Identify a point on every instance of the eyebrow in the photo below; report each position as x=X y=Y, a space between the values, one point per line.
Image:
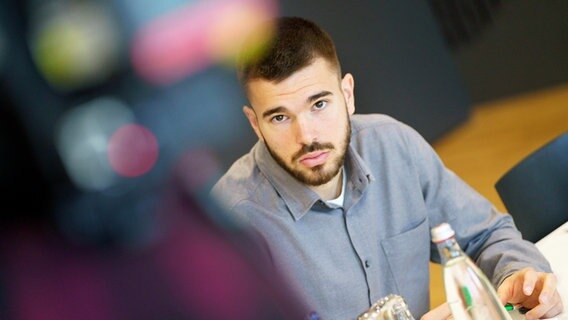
x=310 y=99
x=272 y=111
x=318 y=95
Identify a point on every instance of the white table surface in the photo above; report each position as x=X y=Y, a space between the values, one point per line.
x=555 y=248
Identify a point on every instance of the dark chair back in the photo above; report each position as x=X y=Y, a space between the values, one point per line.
x=535 y=191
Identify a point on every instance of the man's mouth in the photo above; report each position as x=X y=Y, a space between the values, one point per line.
x=315 y=158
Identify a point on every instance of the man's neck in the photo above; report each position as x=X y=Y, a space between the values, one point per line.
x=330 y=190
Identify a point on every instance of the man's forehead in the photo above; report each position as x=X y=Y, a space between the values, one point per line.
x=302 y=84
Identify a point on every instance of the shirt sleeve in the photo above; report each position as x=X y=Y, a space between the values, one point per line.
x=489 y=237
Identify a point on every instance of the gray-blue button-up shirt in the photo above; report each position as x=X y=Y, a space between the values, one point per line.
x=341 y=260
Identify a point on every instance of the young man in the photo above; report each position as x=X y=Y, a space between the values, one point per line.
x=344 y=203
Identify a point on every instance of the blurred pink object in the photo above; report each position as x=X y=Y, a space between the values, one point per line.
x=132 y=150
x=192 y=38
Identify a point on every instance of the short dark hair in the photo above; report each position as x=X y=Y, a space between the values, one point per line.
x=296 y=43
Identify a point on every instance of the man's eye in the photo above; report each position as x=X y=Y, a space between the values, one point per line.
x=320 y=104
x=278 y=118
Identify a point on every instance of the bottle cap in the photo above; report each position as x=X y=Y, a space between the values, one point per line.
x=442 y=232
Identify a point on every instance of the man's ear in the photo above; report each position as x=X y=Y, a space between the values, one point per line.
x=251 y=116
x=348 y=88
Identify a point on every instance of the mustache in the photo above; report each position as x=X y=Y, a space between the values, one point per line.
x=315 y=146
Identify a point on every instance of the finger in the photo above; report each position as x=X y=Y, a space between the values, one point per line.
x=548 y=288
x=546 y=310
x=556 y=310
x=441 y=312
x=530 y=278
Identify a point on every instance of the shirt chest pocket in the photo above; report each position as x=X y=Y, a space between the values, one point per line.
x=408 y=256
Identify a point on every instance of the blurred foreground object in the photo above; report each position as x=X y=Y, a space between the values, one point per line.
x=76 y=47
x=83 y=141
x=185 y=41
x=193 y=270
x=98 y=224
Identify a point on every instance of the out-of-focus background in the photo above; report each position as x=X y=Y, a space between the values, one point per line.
x=100 y=102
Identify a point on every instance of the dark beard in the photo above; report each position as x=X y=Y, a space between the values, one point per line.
x=319 y=176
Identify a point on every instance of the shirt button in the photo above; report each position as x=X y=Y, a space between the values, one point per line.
x=367 y=264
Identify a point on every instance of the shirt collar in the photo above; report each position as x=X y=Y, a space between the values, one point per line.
x=298 y=197
x=359 y=174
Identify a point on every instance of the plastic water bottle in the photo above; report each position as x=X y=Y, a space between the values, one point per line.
x=468 y=291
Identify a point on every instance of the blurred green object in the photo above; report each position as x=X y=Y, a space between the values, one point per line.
x=76 y=47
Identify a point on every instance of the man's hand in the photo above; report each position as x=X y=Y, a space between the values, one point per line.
x=533 y=290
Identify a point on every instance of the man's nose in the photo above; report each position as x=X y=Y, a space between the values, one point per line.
x=306 y=131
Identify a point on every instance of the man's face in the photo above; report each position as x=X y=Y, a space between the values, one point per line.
x=304 y=120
